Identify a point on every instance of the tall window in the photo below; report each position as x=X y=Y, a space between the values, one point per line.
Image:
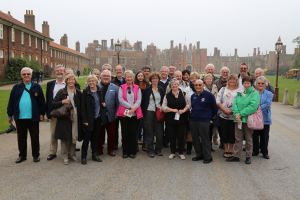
x=22 y=37
x=42 y=41
x=29 y=40
x=29 y=57
x=12 y=54
x=36 y=58
x=1 y=31
x=12 y=34
x=46 y=46
x=36 y=45
x=1 y=54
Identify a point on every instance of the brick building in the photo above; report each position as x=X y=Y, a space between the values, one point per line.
x=18 y=39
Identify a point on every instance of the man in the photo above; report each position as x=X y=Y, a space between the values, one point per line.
x=244 y=72
x=118 y=80
x=260 y=72
x=222 y=81
x=146 y=71
x=164 y=81
x=210 y=69
x=106 y=66
x=203 y=108
x=172 y=70
x=97 y=73
x=51 y=90
x=110 y=104
x=26 y=106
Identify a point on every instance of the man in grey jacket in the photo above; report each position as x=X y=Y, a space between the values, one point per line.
x=109 y=108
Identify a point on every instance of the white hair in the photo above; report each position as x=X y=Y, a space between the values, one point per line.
x=209 y=65
x=106 y=66
x=130 y=72
x=259 y=70
x=224 y=68
x=106 y=71
x=164 y=67
x=261 y=79
x=26 y=69
x=199 y=81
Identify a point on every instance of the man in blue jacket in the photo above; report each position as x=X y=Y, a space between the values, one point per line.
x=27 y=107
x=203 y=108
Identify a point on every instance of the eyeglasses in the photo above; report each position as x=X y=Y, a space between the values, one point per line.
x=198 y=85
x=260 y=83
x=243 y=68
x=27 y=74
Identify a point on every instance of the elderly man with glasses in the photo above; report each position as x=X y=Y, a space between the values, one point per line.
x=26 y=106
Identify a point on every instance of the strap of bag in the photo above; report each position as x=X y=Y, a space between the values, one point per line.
x=153 y=97
x=222 y=94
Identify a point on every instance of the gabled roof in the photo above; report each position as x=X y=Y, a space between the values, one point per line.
x=66 y=49
x=10 y=19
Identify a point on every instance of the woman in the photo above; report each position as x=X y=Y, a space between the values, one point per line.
x=129 y=112
x=186 y=77
x=175 y=105
x=225 y=99
x=90 y=112
x=68 y=130
x=244 y=104
x=152 y=99
x=143 y=84
x=261 y=137
x=213 y=89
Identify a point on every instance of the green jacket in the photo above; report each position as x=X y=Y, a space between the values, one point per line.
x=246 y=103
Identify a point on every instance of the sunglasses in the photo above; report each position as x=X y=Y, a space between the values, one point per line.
x=28 y=74
x=198 y=85
x=260 y=83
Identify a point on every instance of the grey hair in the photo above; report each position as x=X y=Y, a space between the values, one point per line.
x=106 y=66
x=209 y=65
x=59 y=66
x=200 y=81
x=166 y=67
x=92 y=76
x=174 y=80
x=261 y=79
x=26 y=69
x=130 y=72
x=224 y=68
x=106 y=70
x=259 y=69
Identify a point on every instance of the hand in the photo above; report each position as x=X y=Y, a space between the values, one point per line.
x=86 y=124
x=181 y=111
x=41 y=117
x=66 y=101
x=10 y=120
x=238 y=117
x=228 y=111
x=131 y=112
x=104 y=104
x=132 y=108
x=175 y=110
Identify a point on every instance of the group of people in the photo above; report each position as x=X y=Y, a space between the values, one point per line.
x=170 y=108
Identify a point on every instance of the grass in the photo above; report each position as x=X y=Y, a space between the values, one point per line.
x=291 y=84
x=4 y=96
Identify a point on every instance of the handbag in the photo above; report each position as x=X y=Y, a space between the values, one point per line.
x=62 y=112
x=160 y=115
x=256 y=121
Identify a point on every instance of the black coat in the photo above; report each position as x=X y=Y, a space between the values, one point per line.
x=148 y=94
x=88 y=107
x=63 y=129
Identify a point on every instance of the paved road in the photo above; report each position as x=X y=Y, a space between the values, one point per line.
x=158 y=178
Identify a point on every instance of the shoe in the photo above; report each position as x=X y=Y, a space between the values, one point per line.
x=112 y=154
x=221 y=146
x=73 y=158
x=233 y=159
x=132 y=156
x=66 y=161
x=181 y=156
x=197 y=158
x=96 y=158
x=125 y=156
x=212 y=150
x=207 y=161
x=248 y=161
x=151 y=155
x=144 y=148
x=254 y=154
x=77 y=149
x=171 y=156
x=266 y=156
x=159 y=153
x=116 y=147
x=83 y=161
x=216 y=142
x=36 y=159
x=51 y=156
x=20 y=159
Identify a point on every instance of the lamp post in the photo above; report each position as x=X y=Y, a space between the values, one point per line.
x=278 y=48
x=118 y=50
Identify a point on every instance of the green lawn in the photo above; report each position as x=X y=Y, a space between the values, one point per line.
x=291 y=84
x=4 y=96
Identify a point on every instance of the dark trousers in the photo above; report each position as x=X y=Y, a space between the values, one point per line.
x=166 y=137
x=117 y=122
x=93 y=137
x=227 y=131
x=153 y=128
x=201 y=142
x=140 y=131
x=24 y=125
x=261 y=140
x=176 y=132
x=111 y=131
x=129 y=131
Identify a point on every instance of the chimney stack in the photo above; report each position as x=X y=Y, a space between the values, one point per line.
x=104 y=44
x=171 y=44
x=29 y=19
x=180 y=47
x=235 y=52
x=77 y=46
x=254 y=52
x=45 y=28
x=64 y=40
x=198 y=45
x=112 y=47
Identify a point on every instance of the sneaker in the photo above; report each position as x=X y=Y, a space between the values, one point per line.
x=73 y=158
x=66 y=161
x=151 y=155
x=181 y=156
x=248 y=161
x=171 y=156
x=233 y=159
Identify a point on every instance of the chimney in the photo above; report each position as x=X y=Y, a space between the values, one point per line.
x=198 y=45
x=29 y=19
x=45 y=28
x=77 y=46
x=190 y=47
x=235 y=52
x=171 y=44
x=104 y=44
x=112 y=47
x=180 y=48
x=258 y=51
x=64 y=40
x=254 y=52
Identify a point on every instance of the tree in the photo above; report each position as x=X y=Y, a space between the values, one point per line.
x=296 y=63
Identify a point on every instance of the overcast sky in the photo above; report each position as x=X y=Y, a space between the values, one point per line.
x=226 y=24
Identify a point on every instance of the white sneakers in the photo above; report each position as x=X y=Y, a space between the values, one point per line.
x=172 y=156
x=66 y=161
